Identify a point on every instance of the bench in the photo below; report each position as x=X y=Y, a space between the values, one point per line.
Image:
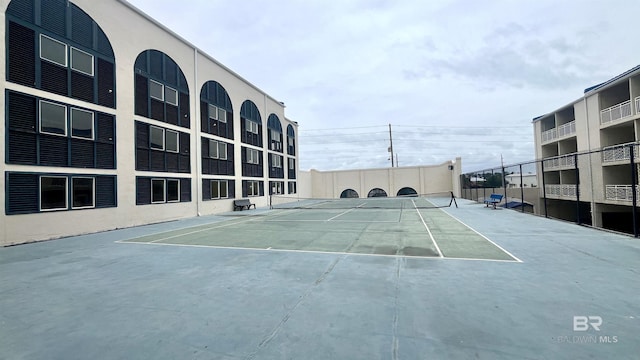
x=493 y=200
x=241 y=204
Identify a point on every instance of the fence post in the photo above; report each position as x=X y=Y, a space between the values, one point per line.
x=504 y=187
x=521 y=190
x=577 y=189
x=544 y=189
x=634 y=184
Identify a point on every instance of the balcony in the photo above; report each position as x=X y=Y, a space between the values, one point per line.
x=559 y=163
x=559 y=132
x=638 y=105
x=616 y=112
x=620 y=152
x=561 y=190
x=621 y=192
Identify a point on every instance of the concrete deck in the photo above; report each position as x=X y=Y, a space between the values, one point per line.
x=90 y=297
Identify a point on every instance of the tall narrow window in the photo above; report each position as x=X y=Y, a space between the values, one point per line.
x=157 y=191
x=53 y=118
x=53 y=50
x=53 y=193
x=222 y=115
x=171 y=96
x=82 y=190
x=213 y=149
x=81 y=61
x=172 y=141
x=156 y=138
x=222 y=151
x=156 y=90
x=81 y=124
x=173 y=190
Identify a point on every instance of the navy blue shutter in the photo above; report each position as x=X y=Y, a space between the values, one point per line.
x=81 y=27
x=232 y=189
x=54 y=150
x=53 y=78
x=22 y=193
x=185 y=150
x=142 y=95
x=143 y=191
x=171 y=114
x=20 y=55
x=54 y=16
x=22 y=9
x=142 y=147
x=21 y=118
x=105 y=191
x=206 y=189
x=82 y=153
x=204 y=117
x=82 y=86
x=106 y=83
x=157 y=110
x=185 y=190
x=184 y=110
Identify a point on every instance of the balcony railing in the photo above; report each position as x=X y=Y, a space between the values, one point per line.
x=561 y=190
x=616 y=112
x=638 y=105
x=621 y=192
x=619 y=153
x=560 y=162
x=561 y=131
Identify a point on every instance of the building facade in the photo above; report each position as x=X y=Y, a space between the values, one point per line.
x=587 y=148
x=112 y=120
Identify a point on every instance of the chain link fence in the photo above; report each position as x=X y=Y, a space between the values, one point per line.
x=596 y=188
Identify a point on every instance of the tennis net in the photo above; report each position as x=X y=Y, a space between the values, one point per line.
x=424 y=201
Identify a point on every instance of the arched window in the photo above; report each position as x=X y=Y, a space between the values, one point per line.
x=251 y=124
x=161 y=90
x=275 y=133
x=377 y=192
x=291 y=140
x=216 y=111
x=407 y=191
x=349 y=193
x=53 y=45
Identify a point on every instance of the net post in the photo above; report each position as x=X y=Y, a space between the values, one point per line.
x=453 y=200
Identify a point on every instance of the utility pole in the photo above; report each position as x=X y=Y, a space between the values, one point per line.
x=391 y=147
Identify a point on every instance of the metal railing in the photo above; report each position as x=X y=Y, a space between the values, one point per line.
x=564 y=190
x=621 y=192
x=616 y=112
x=562 y=162
x=561 y=131
x=638 y=105
x=619 y=153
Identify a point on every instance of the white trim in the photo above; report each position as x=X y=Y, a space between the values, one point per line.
x=164 y=191
x=85 y=53
x=93 y=188
x=66 y=55
x=66 y=125
x=158 y=83
x=167 y=88
x=166 y=195
x=166 y=132
x=66 y=192
x=93 y=124
x=151 y=127
x=213 y=110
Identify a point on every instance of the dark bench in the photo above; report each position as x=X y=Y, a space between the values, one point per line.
x=242 y=204
x=493 y=200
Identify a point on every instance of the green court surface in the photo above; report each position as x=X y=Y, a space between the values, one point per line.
x=415 y=232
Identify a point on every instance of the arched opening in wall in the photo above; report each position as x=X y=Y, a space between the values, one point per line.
x=349 y=193
x=407 y=191
x=377 y=192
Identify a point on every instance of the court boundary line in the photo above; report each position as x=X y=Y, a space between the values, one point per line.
x=427 y=227
x=311 y=251
x=486 y=238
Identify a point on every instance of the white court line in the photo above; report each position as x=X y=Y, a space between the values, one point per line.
x=311 y=251
x=338 y=221
x=342 y=213
x=486 y=238
x=426 y=227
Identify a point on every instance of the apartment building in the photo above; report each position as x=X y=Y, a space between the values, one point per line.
x=590 y=154
x=112 y=120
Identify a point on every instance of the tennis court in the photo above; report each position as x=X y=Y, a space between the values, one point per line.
x=415 y=226
x=312 y=281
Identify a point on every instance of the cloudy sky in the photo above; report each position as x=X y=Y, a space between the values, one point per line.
x=453 y=78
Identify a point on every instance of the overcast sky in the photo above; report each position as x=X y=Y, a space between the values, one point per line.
x=453 y=78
